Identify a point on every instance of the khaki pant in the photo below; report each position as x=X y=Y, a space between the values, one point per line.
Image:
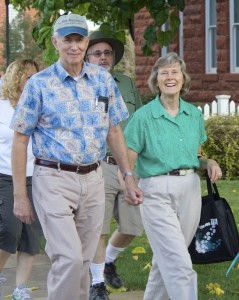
x=70 y=208
x=127 y=216
x=171 y=213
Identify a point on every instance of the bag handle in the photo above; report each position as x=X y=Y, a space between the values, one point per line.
x=212 y=188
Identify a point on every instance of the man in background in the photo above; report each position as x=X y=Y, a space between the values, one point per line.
x=106 y=51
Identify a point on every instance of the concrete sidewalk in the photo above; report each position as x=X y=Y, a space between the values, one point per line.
x=39 y=278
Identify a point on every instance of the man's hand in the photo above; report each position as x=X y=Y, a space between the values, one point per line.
x=133 y=194
x=23 y=210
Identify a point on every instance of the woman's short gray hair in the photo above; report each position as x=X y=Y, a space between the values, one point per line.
x=169 y=59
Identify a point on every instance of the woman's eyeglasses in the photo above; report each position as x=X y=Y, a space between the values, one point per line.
x=98 y=54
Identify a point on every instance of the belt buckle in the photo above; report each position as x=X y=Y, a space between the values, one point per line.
x=109 y=159
x=78 y=170
x=182 y=172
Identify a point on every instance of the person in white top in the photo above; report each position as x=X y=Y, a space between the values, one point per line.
x=15 y=236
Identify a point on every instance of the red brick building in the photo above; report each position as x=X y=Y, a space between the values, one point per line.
x=208 y=40
x=12 y=14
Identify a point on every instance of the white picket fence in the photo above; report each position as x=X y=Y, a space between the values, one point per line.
x=222 y=105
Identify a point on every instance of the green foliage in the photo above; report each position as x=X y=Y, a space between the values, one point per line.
x=22 y=44
x=116 y=15
x=223 y=143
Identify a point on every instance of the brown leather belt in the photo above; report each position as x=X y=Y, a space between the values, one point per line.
x=180 y=172
x=110 y=160
x=71 y=168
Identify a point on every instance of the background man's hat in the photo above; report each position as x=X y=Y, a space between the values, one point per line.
x=117 y=45
x=72 y=23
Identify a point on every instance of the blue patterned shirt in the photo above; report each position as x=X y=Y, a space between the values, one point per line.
x=68 y=119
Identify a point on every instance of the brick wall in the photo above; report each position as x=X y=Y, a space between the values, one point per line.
x=204 y=86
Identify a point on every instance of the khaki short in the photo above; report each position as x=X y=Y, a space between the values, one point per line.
x=127 y=216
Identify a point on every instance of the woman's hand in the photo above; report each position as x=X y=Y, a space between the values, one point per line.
x=214 y=170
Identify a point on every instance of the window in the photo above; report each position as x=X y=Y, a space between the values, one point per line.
x=211 y=49
x=234 y=34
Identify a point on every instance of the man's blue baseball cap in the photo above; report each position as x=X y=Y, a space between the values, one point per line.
x=72 y=23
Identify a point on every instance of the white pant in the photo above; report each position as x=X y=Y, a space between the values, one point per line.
x=171 y=213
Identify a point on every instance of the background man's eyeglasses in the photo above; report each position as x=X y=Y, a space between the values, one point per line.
x=107 y=53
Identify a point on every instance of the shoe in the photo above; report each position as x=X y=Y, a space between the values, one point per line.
x=2 y=280
x=98 y=292
x=111 y=277
x=22 y=292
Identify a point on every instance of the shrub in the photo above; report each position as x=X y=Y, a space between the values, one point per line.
x=223 y=144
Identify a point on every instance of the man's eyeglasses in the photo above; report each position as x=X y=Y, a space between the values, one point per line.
x=98 y=54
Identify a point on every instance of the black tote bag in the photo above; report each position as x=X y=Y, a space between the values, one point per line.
x=216 y=239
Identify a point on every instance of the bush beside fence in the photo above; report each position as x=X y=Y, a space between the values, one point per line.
x=223 y=143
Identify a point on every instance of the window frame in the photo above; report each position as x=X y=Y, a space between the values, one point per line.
x=208 y=43
x=233 y=39
x=181 y=52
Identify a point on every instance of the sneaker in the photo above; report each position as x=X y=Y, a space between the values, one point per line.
x=2 y=280
x=111 y=277
x=99 y=292
x=22 y=292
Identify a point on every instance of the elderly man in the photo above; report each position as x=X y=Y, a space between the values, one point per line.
x=70 y=109
x=107 y=51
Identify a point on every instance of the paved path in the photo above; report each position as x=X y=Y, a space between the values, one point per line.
x=39 y=277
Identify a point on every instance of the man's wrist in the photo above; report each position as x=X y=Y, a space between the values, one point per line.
x=127 y=173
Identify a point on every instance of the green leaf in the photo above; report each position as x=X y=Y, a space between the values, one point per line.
x=50 y=55
x=41 y=4
x=174 y=21
x=155 y=5
x=50 y=4
x=181 y=5
x=172 y=2
x=165 y=37
x=44 y=33
x=59 y=4
x=160 y=17
x=146 y=48
x=120 y=35
x=82 y=10
x=150 y=34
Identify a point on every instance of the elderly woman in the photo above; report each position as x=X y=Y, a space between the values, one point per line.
x=165 y=137
x=15 y=236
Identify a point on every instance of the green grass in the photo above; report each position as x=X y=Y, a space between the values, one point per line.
x=135 y=276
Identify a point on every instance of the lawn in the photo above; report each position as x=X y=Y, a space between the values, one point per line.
x=134 y=268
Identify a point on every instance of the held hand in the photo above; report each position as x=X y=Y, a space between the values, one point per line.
x=133 y=194
x=23 y=210
x=214 y=170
